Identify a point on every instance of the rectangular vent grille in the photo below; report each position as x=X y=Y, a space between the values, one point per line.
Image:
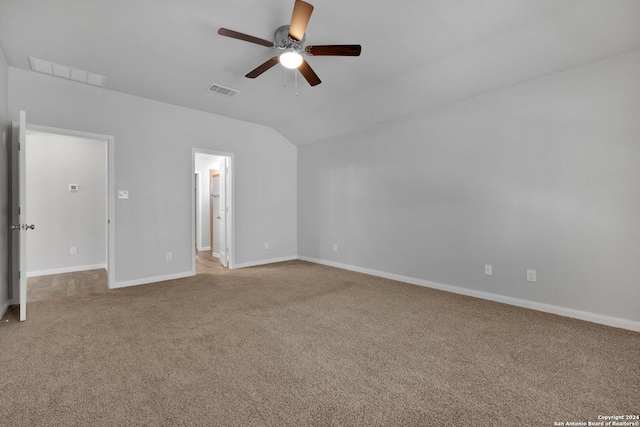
x=47 y=67
x=221 y=90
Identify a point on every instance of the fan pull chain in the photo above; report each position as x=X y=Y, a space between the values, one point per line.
x=295 y=79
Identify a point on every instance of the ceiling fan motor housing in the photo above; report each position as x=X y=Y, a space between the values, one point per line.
x=281 y=40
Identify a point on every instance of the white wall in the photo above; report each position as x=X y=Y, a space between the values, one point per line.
x=64 y=219
x=153 y=143
x=543 y=175
x=4 y=184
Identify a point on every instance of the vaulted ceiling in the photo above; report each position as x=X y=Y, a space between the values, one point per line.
x=415 y=55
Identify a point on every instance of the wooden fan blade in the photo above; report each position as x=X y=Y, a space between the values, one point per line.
x=241 y=36
x=264 y=67
x=300 y=19
x=334 y=50
x=309 y=74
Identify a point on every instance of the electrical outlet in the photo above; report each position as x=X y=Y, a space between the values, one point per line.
x=531 y=275
x=335 y=247
x=488 y=269
x=266 y=245
x=73 y=250
x=123 y=194
x=168 y=256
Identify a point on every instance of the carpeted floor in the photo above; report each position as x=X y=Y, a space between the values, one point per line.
x=296 y=344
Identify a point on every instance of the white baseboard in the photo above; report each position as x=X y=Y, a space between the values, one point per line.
x=215 y=254
x=66 y=270
x=264 y=261
x=4 y=307
x=148 y=280
x=547 y=308
x=204 y=248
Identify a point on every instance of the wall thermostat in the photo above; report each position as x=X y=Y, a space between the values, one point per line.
x=73 y=188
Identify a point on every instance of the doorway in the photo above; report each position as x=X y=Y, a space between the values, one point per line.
x=67 y=180
x=213 y=214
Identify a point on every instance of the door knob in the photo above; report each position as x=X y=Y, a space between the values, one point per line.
x=23 y=227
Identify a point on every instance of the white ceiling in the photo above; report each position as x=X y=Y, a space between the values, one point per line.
x=415 y=55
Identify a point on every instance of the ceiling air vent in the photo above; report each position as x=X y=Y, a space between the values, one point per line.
x=221 y=90
x=47 y=67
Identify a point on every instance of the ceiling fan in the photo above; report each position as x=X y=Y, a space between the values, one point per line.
x=290 y=40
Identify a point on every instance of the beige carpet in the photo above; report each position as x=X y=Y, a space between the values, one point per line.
x=295 y=344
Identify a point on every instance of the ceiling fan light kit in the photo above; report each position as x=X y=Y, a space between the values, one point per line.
x=290 y=59
x=290 y=40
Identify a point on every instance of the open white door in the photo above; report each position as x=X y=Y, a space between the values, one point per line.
x=224 y=253
x=19 y=220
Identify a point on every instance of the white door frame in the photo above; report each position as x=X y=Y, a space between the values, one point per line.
x=198 y=212
x=110 y=229
x=231 y=232
x=223 y=212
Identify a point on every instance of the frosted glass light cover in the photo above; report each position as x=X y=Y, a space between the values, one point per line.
x=291 y=59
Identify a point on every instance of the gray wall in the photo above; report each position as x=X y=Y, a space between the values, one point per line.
x=153 y=143
x=543 y=175
x=64 y=219
x=4 y=183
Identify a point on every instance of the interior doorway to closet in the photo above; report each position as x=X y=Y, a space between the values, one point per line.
x=66 y=185
x=212 y=231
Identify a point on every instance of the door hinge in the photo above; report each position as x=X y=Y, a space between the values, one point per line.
x=18 y=210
